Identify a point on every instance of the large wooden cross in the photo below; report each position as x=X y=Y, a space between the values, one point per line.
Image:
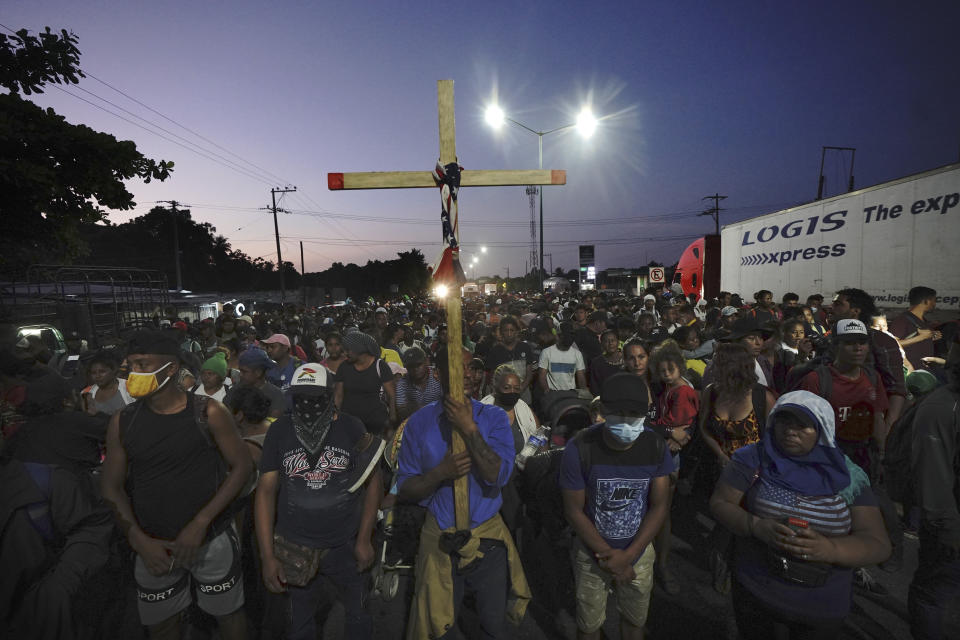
x=468 y=178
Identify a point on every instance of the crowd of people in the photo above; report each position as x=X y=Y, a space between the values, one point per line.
x=226 y=470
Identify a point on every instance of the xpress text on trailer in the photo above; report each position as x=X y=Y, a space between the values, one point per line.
x=883 y=239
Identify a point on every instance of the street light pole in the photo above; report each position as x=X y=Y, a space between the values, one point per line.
x=540 y=155
x=586 y=123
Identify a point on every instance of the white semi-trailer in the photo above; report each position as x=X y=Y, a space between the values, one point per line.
x=884 y=239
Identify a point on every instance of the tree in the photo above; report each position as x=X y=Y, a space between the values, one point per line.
x=408 y=272
x=207 y=261
x=54 y=175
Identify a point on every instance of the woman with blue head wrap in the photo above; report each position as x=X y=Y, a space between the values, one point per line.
x=804 y=517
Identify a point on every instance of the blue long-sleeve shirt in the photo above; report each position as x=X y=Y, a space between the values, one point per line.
x=427 y=439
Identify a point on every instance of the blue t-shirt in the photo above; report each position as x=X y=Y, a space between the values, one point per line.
x=426 y=440
x=314 y=507
x=617 y=483
x=829 y=515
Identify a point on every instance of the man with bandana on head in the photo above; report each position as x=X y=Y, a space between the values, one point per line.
x=172 y=469
x=316 y=505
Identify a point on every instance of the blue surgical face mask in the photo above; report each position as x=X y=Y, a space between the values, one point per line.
x=625 y=430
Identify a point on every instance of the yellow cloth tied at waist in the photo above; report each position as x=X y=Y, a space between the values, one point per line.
x=432 y=612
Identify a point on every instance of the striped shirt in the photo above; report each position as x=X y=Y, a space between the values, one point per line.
x=828 y=515
x=409 y=393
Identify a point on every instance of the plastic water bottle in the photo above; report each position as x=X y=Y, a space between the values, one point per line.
x=534 y=444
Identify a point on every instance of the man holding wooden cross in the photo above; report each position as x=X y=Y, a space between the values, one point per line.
x=457 y=455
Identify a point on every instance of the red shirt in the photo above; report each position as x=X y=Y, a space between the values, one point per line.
x=906 y=325
x=854 y=402
x=678 y=407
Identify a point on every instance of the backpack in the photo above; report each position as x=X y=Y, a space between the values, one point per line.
x=826 y=380
x=39 y=512
x=200 y=418
x=820 y=365
x=898 y=476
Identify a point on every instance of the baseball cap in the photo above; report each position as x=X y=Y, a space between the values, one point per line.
x=676 y=288
x=650 y=297
x=624 y=392
x=246 y=319
x=151 y=341
x=380 y=310
x=311 y=379
x=181 y=325
x=728 y=311
x=278 y=338
x=850 y=327
x=413 y=356
x=256 y=358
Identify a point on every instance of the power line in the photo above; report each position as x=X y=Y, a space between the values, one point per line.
x=499 y=244
x=199 y=153
x=185 y=140
x=185 y=128
x=261 y=173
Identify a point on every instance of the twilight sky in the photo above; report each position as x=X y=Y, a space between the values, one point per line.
x=696 y=98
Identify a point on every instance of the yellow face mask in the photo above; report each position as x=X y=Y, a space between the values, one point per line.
x=143 y=384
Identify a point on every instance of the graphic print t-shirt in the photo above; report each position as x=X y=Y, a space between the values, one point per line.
x=617 y=483
x=313 y=505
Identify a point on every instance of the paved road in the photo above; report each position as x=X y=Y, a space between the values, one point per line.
x=698 y=612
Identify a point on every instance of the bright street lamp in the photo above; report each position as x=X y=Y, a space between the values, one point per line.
x=494 y=116
x=586 y=124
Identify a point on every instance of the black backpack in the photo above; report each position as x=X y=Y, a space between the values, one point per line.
x=898 y=476
x=200 y=417
x=796 y=375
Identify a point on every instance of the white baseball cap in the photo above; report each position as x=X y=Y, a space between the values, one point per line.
x=311 y=378
x=650 y=296
x=728 y=311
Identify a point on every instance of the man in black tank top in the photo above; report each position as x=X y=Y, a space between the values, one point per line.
x=172 y=469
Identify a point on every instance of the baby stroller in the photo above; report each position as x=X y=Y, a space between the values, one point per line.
x=549 y=572
x=566 y=413
x=397 y=532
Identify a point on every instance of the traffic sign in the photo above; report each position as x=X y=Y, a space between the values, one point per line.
x=656 y=275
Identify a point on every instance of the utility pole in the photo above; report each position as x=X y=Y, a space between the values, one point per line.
x=303 y=273
x=176 y=241
x=715 y=211
x=276 y=233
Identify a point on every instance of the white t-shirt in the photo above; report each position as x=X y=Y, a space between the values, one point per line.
x=561 y=367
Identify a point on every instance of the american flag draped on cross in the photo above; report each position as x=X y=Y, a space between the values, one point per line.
x=447 y=269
